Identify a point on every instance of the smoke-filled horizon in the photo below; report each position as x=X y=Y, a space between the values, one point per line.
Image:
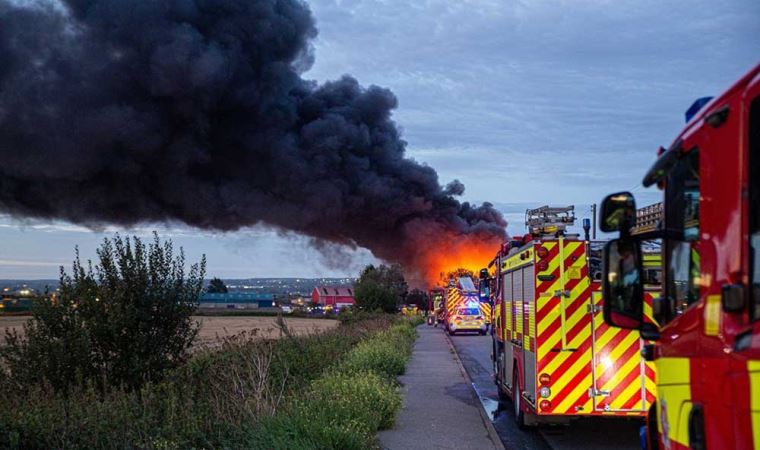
x=116 y=112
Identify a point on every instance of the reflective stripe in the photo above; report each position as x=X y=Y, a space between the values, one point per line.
x=712 y=315
x=753 y=367
x=674 y=399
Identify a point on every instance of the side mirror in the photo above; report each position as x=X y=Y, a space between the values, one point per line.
x=622 y=288
x=618 y=212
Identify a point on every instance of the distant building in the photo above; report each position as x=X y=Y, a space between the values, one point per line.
x=333 y=295
x=236 y=300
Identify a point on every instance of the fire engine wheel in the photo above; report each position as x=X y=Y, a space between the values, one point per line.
x=517 y=403
x=452 y=332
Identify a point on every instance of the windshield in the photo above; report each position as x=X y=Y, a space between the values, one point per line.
x=468 y=311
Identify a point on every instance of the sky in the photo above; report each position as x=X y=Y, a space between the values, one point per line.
x=526 y=102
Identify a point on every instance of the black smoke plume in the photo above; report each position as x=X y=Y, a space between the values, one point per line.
x=120 y=112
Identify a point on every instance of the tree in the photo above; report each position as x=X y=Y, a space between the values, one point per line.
x=381 y=288
x=121 y=322
x=216 y=286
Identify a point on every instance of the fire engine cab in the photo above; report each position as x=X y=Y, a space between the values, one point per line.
x=706 y=327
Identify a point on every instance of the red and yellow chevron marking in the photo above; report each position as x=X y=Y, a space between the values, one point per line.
x=564 y=327
x=485 y=310
x=578 y=350
x=453 y=298
x=619 y=368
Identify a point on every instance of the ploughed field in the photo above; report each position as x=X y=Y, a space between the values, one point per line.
x=214 y=329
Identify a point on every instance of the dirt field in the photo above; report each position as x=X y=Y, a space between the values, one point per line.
x=215 y=328
x=9 y=323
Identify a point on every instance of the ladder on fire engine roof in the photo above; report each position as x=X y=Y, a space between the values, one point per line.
x=648 y=219
x=548 y=220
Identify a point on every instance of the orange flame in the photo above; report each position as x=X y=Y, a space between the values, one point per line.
x=450 y=252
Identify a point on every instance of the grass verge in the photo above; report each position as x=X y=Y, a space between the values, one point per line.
x=334 y=389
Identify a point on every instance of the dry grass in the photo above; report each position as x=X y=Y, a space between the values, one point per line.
x=10 y=323
x=215 y=329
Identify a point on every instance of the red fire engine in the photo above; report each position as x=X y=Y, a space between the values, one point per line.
x=707 y=330
x=554 y=356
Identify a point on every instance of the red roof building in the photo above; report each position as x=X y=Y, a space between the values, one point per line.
x=333 y=295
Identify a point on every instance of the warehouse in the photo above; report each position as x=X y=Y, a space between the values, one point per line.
x=338 y=296
x=236 y=300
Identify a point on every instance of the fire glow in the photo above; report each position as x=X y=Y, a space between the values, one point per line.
x=472 y=252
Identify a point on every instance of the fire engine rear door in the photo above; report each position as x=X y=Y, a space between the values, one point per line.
x=617 y=366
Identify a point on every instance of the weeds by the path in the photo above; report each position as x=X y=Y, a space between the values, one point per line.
x=333 y=389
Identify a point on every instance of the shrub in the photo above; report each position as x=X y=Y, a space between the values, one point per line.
x=340 y=410
x=289 y=393
x=121 y=323
x=377 y=355
x=385 y=353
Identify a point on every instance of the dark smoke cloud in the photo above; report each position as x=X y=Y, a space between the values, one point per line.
x=116 y=111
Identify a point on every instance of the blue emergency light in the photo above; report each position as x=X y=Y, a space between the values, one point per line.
x=695 y=107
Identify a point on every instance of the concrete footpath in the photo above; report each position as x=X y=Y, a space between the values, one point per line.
x=440 y=408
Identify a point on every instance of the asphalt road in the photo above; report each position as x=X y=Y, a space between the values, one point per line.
x=583 y=434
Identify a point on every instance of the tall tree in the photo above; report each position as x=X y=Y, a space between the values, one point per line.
x=381 y=288
x=121 y=322
x=216 y=286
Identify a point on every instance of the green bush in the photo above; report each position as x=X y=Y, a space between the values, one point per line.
x=346 y=405
x=247 y=394
x=376 y=355
x=123 y=321
x=385 y=353
x=340 y=410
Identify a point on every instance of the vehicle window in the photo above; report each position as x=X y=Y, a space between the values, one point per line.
x=652 y=263
x=468 y=312
x=595 y=249
x=754 y=207
x=682 y=197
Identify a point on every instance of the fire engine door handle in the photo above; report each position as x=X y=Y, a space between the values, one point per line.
x=597 y=392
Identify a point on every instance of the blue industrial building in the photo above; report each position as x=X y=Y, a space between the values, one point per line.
x=236 y=300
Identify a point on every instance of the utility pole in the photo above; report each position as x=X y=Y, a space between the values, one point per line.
x=593 y=221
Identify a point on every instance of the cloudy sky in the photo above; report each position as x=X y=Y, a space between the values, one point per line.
x=526 y=102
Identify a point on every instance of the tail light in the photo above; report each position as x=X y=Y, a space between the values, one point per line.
x=542 y=265
x=542 y=252
x=544 y=379
x=545 y=405
x=458 y=319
